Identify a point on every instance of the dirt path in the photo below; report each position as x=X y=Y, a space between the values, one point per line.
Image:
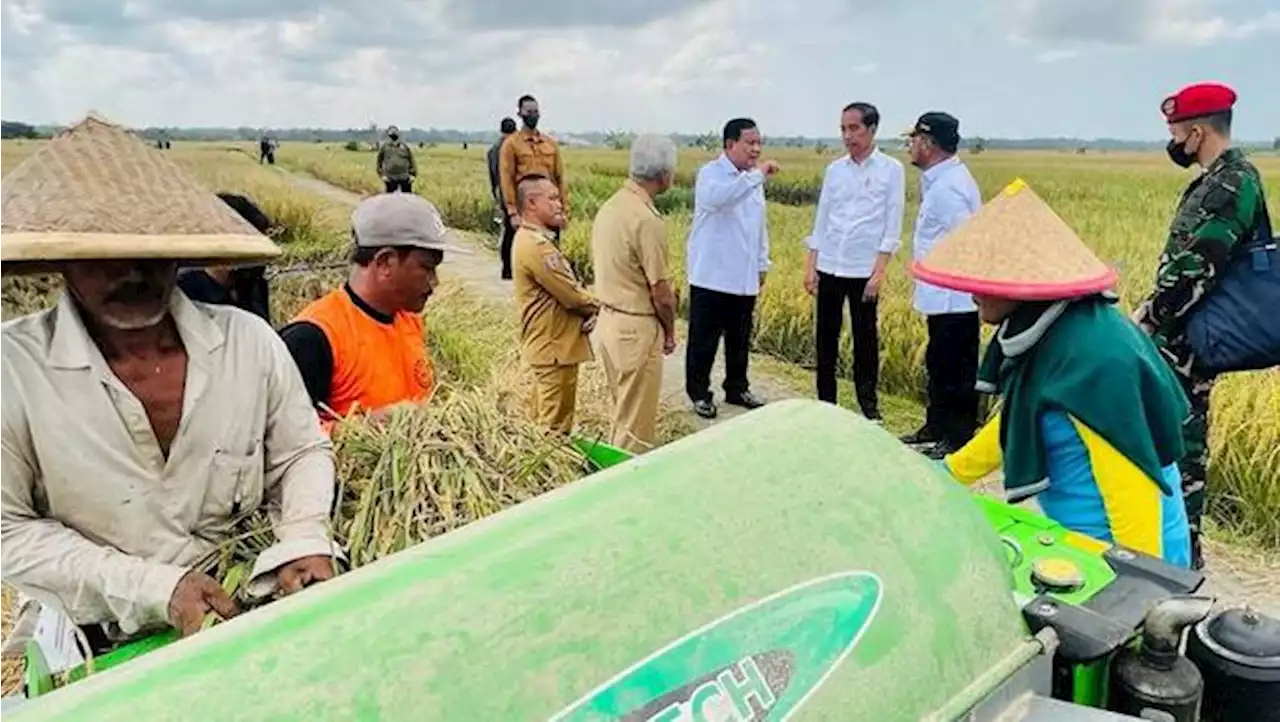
x=1233 y=574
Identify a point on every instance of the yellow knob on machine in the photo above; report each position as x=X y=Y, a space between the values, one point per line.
x=1055 y=574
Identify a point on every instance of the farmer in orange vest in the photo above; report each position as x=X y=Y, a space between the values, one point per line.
x=362 y=347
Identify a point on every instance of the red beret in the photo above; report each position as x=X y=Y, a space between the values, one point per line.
x=1197 y=101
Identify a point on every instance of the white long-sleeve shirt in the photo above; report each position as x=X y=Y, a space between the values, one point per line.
x=859 y=214
x=728 y=246
x=948 y=196
x=96 y=521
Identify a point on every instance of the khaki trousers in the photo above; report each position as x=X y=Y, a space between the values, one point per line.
x=555 y=393
x=630 y=347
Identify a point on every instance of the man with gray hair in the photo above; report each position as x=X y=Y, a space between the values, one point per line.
x=637 y=301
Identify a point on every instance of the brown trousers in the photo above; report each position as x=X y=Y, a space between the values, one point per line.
x=555 y=393
x=630 y=348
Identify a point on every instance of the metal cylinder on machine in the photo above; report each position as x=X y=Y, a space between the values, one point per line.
x=1155 y=682
x=1238 y=653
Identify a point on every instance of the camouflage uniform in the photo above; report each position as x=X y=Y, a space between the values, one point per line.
x=1217 y=211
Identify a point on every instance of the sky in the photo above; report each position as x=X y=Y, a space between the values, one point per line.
x=1005 y=68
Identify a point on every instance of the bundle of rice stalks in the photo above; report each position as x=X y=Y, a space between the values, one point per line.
x=10 y=667
x=418 y=471
x=426 y=470
x=28 y=294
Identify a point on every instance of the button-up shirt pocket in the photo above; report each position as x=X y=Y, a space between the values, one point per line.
x=544 y=151
x=236 y=481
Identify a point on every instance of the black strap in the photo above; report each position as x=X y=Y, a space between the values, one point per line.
x=1263 y=237
x=1265 y=232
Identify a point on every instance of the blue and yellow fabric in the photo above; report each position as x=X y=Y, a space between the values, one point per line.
x=1090 y=423
x=1092 y=488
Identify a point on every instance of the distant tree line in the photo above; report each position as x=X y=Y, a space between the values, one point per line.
x=620 y=139
x=14 y=129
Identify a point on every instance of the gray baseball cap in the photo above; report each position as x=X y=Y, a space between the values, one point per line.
x=401 y=219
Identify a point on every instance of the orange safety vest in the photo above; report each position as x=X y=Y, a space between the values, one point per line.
x=375 y=364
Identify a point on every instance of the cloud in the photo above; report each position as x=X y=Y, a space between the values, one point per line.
x=660 y=65
x=1076 y=20
x=521 y=14
x=1056 y=56
x=1176 y=23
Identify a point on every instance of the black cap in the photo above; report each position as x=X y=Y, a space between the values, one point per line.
x=942 y=127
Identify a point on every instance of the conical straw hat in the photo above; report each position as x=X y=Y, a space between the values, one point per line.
x=1015 y=247
x=97 y=192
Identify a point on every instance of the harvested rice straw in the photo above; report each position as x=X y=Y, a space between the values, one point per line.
x=10 y=667
x=428 y=470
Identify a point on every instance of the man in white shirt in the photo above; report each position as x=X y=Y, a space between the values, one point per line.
x=856 y=230
x=140 y=426
x=728 y=256
x=948 y=196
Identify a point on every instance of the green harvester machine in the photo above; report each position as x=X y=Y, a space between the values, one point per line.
x=797 y=562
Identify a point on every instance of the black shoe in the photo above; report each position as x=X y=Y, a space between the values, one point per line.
x=939 y=451
x=746 y=400
x=706 y=408
x=923 y=435
x=873 y=415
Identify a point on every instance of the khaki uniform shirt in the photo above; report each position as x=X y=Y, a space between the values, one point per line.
x=96 y=520
x=525 y=153
x=552 y=303
x=629 y=248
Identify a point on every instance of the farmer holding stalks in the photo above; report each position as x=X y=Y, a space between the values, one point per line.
x=362 y=347
x=556 y=312
x=1090 y=417
x=139 y=425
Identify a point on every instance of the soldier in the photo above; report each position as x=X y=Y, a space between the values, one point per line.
x=1220 y=208
x=556 y=312
x=530 y=152
x=633 y=280
x=396 y=166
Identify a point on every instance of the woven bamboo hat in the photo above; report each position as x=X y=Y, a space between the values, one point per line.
x=96 y=192
x=1015 y=247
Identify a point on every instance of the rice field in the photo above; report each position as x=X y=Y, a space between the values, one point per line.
x=1119 y=203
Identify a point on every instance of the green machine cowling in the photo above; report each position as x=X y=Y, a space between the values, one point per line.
x=795 y=560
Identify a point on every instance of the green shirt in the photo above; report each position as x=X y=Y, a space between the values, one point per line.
x=1086 y=359
x=395 y=161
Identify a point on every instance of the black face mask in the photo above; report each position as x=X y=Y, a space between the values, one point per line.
x=1178 y=153
x=530 y=121
x=394 y=136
